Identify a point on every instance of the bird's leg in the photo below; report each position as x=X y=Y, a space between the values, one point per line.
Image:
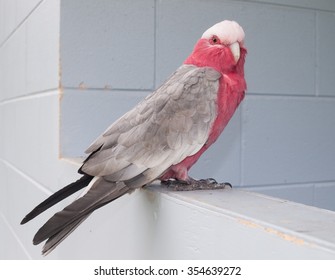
x=191 y=184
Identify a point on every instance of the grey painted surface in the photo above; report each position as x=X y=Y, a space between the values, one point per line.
x=84 y=123
x=69 y=68
x=288 y=140
x=325 y=39
x=107 y=44
x=27 y=53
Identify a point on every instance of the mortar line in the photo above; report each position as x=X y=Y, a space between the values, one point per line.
x=38 y=94
x=20 y=24
x=16 y=237
x=27 y=177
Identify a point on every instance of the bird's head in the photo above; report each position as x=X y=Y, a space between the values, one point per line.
x=221 y=47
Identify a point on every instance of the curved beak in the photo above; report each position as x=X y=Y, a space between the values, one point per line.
x=235 y=49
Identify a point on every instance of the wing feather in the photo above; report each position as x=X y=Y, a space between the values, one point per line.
x=167 y=126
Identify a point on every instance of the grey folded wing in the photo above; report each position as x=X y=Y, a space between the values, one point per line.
x=169 y=125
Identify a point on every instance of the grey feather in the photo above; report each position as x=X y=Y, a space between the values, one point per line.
x=171 y=123
x=64 y=222
x=55 y=240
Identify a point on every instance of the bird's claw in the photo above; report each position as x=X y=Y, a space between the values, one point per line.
x=192 y=184
x=209 y=181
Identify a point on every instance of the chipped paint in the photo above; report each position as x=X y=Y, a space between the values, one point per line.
x=249 y=223
x=108 y=87
x=82 y=86
x=285 y=236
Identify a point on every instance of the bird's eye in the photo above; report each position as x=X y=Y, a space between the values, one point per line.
x=215 y=40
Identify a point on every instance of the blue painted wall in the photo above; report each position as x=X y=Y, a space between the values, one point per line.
x=113 y=53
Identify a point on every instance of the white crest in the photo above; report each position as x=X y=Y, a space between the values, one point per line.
x=227 y=31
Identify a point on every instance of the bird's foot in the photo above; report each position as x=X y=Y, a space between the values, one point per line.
x=192 y=184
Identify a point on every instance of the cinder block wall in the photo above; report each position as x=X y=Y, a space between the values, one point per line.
x=69 y=68
x=282 y=140
x=30 y=166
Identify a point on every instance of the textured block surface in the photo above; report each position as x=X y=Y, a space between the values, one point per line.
x=326 y=58
x=107 y=44
x=85 y=114
x=288 y=140
x=324 y=196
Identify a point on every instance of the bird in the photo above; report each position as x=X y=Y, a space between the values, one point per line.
x=161 y=138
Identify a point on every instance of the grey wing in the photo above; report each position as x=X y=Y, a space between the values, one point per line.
x=170 y=124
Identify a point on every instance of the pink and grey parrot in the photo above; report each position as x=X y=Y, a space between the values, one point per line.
x=160 y=138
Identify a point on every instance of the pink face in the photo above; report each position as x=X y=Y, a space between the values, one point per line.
x=221 y=47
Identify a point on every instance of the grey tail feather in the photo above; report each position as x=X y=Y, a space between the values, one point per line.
x=58 y=196
x=55 y=240
x=59 y=226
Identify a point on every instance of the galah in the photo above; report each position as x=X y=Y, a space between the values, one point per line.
x=160 y=138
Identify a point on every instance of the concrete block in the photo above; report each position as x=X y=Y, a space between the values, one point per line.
x=31 y=142
x=287 y=140
x=12 y=14
x=3 y=188
x=10 y=248
x=8 y=15
x=298 y=193
x=24 y=196
x=281 y=58
x=2 y=76
x=324 y=196
x=107 y=44
x=2 y=23
x=29 y=58
x=307 y=4
x=24 y=8
x=13 y=67
x=88 y=113
x=2 y=124
x=42 y=50
x=325 y=53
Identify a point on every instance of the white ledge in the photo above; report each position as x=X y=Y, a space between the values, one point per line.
x=295 y=230
x=220 y=224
